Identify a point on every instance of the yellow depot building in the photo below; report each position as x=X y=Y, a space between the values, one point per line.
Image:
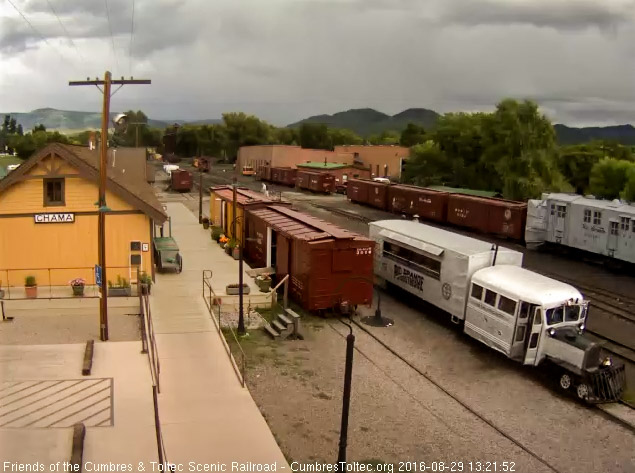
x=48 y=217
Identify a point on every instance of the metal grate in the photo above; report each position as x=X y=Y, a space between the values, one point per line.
x=607 y=384
x=56 y=403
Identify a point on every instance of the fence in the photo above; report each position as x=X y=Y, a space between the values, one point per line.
x=54 y=283
x=214 y=309
x=149 y=346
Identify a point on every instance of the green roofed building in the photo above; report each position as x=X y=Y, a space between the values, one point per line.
x=458 y=190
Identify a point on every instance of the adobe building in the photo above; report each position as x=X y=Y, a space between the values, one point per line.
x=285 y=156
x=383 y=160
x=48 y=216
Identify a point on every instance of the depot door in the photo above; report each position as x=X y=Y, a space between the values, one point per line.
x=533 y=340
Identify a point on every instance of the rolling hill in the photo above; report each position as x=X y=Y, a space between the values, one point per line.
x=367 y=121
x=69 y=120
x=624 y=134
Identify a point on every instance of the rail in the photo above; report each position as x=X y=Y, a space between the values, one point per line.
x=274 y=291
x=148 y=340
x=214 y=309
x=57 y=282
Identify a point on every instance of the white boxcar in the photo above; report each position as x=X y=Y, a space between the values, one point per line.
x=432 y=263
x=602 y=227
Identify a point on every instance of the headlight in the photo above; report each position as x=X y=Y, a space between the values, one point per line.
x=581 y=327
x=607 y=362
x=552 y=332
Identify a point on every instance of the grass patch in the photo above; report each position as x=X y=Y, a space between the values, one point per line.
x=322 y=395
x=6 y=160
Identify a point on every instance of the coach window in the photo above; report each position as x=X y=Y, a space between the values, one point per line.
x=587 y=216
x=524 y=310
x=507 y=305
x=520 y=333
x=597 y=218
x=538 y=317
x=477 y=291
x=490 y=297
x=417 y=261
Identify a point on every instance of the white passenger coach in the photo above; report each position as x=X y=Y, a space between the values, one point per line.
x=529 y=317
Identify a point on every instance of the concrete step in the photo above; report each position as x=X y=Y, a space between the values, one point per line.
x=292 y=313
x=285 y=320
x=278 y=326
x=271 y=331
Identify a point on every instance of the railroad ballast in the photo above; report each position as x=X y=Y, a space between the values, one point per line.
x=528 y=317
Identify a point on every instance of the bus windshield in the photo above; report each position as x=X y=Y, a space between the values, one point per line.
x=567 y=313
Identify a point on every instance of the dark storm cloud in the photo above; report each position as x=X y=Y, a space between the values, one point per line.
x=558 y=14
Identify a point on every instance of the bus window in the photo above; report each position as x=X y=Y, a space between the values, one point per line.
x=571 y=313
x=538 y=317
x=520 y=333
x=507 y=305
x=477 y=292
x=490 y=297
x=524 y=310
x=555 y=315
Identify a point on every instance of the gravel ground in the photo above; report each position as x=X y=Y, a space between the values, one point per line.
x=50 y=330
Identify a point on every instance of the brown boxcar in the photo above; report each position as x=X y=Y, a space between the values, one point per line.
x=181 y=180
x=263 y=173
x=499 y=217
x=285 y=176
x=327 y=265
x=315 y=181
x=366 y=191
x=412 y=200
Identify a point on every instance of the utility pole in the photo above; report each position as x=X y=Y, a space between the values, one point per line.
x=103 y=163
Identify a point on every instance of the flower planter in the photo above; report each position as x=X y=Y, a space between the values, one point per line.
x=228 y=250
x=205 y=224
x=264 y=284
x=78 y=290
x=119 y=292
x=31 y=292
x=236 y=253
x=233 y=289
x=145 y=288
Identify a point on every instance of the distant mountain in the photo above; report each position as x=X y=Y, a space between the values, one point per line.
x=624 y=134
x=69 y=120
x=367 y=121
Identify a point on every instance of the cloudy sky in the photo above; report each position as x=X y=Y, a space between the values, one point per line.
x=287 y=59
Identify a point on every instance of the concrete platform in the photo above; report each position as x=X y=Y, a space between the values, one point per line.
x=206 y=415
x=43 y=393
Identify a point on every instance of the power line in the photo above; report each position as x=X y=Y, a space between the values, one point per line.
x=114 y=52
x=65 y=30
x=131 y=35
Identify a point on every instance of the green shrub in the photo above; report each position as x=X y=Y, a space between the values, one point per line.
x=30 y=281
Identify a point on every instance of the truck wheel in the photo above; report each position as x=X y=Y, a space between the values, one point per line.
x=583 y=391
x=565 y=381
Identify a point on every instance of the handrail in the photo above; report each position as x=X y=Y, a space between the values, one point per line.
x=150 y=340
x=212 y=303
x=284 y=280
x=157 y=426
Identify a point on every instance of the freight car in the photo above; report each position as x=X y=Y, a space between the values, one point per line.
x=604 y=228
x=368 y=192
x=181 y=180
x=328 y=267
x=528 y=317
x=315 y=181
x=499 y=217
x=284 y=176
x=263 y=173
x=412 y=200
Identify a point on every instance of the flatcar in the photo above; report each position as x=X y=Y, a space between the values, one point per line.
x=600 y=227
x=529 y=318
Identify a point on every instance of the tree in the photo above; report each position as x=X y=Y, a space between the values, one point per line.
x=609 y=177
x=427 y=165
x=20 y=131
x=343 y=136
x=245 y=130
x=629 y=189
x=286 y=136
x=388 y=137
x=13 y=127
x=39 y=127
x=314 y=136
x=412 y=135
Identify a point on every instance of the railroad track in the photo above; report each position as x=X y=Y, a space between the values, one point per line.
x=441 y=387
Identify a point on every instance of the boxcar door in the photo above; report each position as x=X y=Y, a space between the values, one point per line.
x=533 y=340
x=282 y=256
x=611 y=242
x=560 y=222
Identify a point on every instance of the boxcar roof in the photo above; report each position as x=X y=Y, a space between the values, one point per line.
x=301 y=226
x=243 y=195
x=458 y=190
x=525 y=285
x=420 y=232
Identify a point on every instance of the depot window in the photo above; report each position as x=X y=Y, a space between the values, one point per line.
x=417 y=261
x=53 y=192
x=597 y=218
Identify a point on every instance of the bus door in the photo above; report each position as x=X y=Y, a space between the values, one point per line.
x=522 y=331
x=532 y=341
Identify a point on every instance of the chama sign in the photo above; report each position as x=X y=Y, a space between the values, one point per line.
x=54 y=218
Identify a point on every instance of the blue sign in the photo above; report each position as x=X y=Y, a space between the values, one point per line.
x=98 y=275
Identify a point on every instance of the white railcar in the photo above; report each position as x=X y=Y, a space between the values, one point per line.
x=603 y=227
x=528 y=317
